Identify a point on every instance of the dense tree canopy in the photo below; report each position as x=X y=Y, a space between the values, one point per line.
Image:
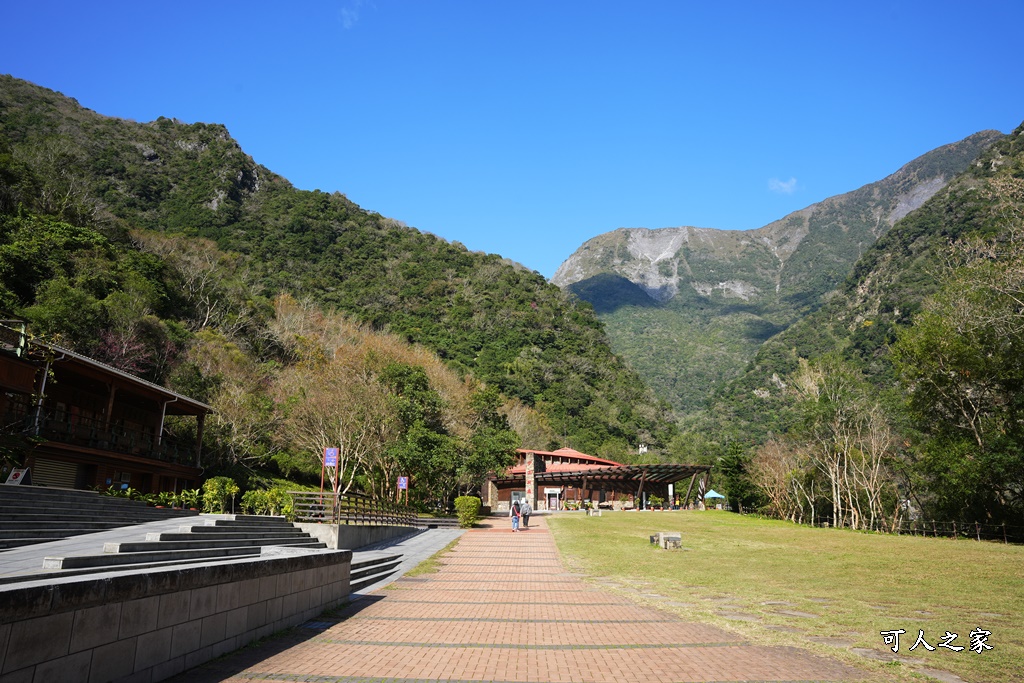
x=186 y=232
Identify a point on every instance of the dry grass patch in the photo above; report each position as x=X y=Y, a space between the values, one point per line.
x=432 y=564
x=831 y=591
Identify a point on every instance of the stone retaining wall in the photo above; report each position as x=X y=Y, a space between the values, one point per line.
x=150 y=625
x=354 y=535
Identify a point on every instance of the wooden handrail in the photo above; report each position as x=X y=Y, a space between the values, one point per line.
x=349 y=508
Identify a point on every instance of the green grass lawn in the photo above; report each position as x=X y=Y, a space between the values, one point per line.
x=745 y=574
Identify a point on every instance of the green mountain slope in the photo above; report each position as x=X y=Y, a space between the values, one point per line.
x=483 y=314
x=884 y=292
x=714 y=296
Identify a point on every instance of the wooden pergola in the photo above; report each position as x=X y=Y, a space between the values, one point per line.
x=629 y=479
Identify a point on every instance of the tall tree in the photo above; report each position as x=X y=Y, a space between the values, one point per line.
x=962 y=363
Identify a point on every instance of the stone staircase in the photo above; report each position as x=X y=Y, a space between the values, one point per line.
x=438 y=522
x=370 y=567
x=35 y=514
x=228 y=537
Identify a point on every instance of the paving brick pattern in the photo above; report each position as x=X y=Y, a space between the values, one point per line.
x=503 y=608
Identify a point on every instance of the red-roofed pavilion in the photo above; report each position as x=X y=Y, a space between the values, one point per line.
x=548 y=479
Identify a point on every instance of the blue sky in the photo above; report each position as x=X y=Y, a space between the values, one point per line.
x=526 y=128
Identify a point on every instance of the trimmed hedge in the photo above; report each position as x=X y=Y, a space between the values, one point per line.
x=468 y=509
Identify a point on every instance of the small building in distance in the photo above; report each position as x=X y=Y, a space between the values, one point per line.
x=552 y=480
x=87 y=425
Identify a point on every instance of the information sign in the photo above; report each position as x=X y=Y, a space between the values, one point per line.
x=403 y=483
x=331 y=457
x=18 y=476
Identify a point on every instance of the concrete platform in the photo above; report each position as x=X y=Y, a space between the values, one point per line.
x=488 y=616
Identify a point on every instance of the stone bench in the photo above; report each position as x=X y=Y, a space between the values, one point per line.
x=668 y=540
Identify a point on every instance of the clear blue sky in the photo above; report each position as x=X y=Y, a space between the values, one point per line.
x=526 y=128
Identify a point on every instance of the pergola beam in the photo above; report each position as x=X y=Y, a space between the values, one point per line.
x=617 y=479
x=690 y=488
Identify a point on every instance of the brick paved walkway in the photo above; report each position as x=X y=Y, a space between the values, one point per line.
x=484 y=617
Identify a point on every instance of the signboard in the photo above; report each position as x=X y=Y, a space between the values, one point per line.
x=18 y=476
x=403 y=483
x=330 y=457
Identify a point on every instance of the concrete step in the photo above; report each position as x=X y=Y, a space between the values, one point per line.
x=107 y=510
x=359 y=583
x=38 y=498
x=224 y=535
x=47 y=492
x=92 y=511
x=159 y=546
x=122 y=559
x=438 y=522
x=367 y=569
x=219 y=528
x=372 y=558
x=382 y=567
x=35 y=576
x=12 y=495
x=51 y=533
x=7 y=544
x=249 y=521
x=81 y=525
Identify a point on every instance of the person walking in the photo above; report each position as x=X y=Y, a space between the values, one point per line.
x=525 y=509
x=515 y=512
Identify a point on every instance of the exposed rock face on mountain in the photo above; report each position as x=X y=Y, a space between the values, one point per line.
x=657 y=260
x=688 y=307
x=888 y=288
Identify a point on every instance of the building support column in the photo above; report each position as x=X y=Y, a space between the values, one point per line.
x=108 y=417
x=531 y=479
x=200 y=421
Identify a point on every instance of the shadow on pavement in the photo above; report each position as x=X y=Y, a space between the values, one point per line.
x=236 y=662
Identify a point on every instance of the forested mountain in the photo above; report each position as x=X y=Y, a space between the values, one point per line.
x=133 y=242
x=902 y=396
x=162 y=249
x=689 y=307
x=884 y=292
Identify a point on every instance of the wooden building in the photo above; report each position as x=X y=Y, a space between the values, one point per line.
x=552 y=479
x=88 y=425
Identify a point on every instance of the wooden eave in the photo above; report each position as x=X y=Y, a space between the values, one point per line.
x=176 y=404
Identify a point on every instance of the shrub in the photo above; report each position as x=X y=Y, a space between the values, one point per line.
x=279 y=502
x=217 y=492
x=275 y=501
x=254 y=502
x=468 y=509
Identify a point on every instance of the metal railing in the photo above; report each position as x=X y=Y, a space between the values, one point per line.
x=349 y=508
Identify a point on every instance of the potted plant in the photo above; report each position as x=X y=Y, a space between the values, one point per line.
x=218 y=492
x=165 y=499
x=190 y=499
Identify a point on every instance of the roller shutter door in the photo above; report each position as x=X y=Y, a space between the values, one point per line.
x=54 y=473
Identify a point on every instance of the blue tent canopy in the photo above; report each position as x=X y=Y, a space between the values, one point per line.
x=713 y=494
